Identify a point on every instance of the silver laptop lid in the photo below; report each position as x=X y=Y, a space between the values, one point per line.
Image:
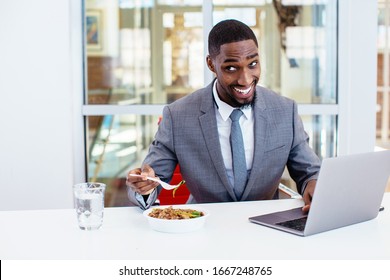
x=349 y=190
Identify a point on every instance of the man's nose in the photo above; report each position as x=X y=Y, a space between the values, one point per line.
x=245 y=77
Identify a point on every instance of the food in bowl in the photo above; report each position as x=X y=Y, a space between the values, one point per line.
x=171 y=213
x=192 y=218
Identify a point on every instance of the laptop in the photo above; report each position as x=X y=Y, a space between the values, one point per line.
x=349 y=190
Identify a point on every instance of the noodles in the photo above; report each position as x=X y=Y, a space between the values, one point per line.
x=171 y=213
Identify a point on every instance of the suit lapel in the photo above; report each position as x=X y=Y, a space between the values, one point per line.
x=209 y=127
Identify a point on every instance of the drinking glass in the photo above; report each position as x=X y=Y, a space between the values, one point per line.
x=89 y=204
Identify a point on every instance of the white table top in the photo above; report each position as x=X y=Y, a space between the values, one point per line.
x=54 y=234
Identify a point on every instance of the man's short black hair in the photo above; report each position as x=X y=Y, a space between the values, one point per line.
x=228 y=31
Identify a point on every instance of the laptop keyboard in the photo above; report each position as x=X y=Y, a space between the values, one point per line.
x=296 y=224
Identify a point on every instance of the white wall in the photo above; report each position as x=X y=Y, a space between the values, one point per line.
x=36 y=105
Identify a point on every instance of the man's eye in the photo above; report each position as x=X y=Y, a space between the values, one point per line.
x=253 y=64
x=231 y=68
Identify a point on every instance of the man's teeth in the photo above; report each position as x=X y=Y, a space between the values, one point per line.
x=243 y=91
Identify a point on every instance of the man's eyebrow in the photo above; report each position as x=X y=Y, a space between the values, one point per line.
x=236 y=60
x=252 y=56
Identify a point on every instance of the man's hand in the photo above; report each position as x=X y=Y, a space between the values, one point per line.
x=308 y=195
x=141 y=185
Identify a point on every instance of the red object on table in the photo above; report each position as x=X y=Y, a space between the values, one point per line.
x=181 y=194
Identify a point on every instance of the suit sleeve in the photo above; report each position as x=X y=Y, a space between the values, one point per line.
x=303 y=164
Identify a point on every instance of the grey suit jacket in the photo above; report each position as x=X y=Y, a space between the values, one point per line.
x=188 y=136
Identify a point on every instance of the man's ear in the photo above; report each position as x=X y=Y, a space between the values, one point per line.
x=210 y=63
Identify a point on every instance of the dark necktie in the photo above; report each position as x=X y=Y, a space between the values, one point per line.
x=238 y=154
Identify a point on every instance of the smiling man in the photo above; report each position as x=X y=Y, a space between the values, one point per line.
x=233 y=138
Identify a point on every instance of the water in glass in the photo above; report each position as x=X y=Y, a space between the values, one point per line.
x=89 y=203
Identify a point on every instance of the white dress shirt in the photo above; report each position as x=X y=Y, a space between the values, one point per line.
x=222 y=113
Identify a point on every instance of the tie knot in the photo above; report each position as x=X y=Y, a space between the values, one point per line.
x=236 y=115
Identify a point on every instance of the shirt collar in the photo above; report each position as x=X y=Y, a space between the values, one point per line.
x=225 y=109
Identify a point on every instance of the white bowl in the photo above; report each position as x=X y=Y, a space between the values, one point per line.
x=177 y=226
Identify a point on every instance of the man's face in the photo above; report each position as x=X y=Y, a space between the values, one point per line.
x=237 y=68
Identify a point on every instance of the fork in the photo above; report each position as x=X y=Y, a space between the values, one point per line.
x=163 y=184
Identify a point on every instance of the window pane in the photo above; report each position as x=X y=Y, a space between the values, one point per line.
x=323 y=139
x=115 y=145
x=297 y=45
x=143 y=54
x=183 y=58
x=323 y=134
x=383 y=80
x=119 y=65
